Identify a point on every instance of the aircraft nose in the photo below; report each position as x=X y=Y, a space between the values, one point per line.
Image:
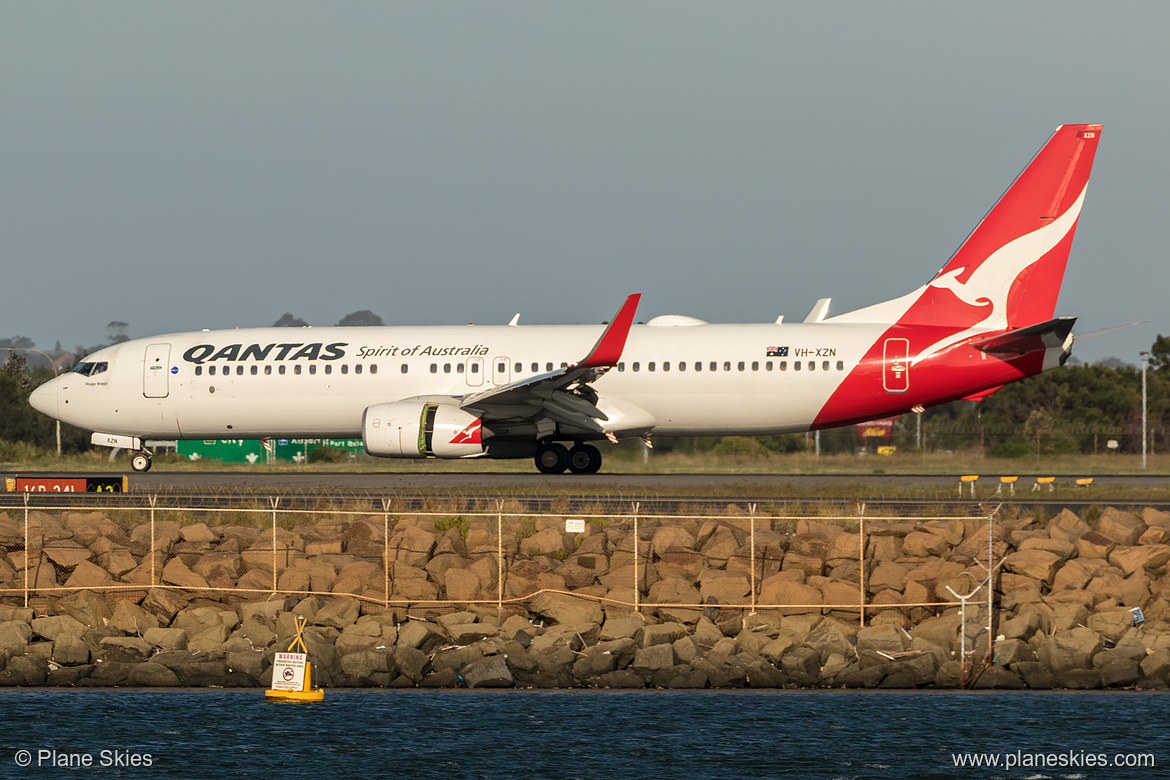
x=44 y=398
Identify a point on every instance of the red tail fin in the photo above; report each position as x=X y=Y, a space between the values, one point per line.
x=1008 y=272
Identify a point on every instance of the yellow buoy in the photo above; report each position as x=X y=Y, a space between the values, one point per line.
x=292 y=672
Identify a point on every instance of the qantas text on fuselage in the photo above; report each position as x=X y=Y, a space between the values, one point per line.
x=987 y=318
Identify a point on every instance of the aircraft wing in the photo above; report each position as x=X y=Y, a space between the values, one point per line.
x=562 y=396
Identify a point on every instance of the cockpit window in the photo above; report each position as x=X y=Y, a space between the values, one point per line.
x=91 y=369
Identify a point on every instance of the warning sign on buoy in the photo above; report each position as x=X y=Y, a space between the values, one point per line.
x=292 y=673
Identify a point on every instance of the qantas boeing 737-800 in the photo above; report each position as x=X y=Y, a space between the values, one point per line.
x=986 y=319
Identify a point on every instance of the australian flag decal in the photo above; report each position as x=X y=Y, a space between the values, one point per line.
x=777 y=352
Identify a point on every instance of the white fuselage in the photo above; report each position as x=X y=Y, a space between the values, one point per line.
x=701 y=379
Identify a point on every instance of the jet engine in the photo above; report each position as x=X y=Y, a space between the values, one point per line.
x=417 y=429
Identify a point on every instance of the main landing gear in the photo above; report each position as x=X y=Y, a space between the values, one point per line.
x=140 y=461
x=554 y=458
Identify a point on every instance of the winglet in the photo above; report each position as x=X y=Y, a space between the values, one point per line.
x=608 y=349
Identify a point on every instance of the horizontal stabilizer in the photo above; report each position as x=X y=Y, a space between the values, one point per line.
x=1041 y=336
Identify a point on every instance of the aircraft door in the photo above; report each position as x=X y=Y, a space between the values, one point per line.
x=474 y=372
x=501 y=371
x=155 y=371
x=896 y=365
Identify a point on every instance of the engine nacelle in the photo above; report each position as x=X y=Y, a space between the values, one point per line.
x=416 y=429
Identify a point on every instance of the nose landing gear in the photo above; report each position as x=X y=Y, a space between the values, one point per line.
x=140 y=461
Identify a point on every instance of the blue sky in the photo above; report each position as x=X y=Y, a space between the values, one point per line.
x=211 y=165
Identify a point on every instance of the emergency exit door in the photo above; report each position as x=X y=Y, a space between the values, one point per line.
x=896 y=365
x=155 y=370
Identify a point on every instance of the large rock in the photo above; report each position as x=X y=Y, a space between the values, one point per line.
x=1067 y=527
x=338 y=613
x=1094 y=545
x=132 y=619
x=57 y=626
x=1120 y=526
x=1152 y=558
x=566 y=610
x=1038 y=564
x=124 y=649
x=490 y=672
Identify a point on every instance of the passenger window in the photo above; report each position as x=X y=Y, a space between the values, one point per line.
x=621 y=367
x=267 y=370
x=373 y=368
x=198 y=370
x=840 y=365
x=650 y=366
x=297 y=369
x=255 y=370
x=356 y=369
x=536 y=368
x=519 y=367
x=768 y=365
x=281 y=369
x=812 y=365
x=564 y=365
x=434 y=368
x=446 y=368
x=312 y=368
x=475 y=368
x=682 y=366
x=755 y=365
x=634 y=367
x=328 y=368
x=502 y=367
x=666 y=365
x=211 y=370
x=458 y=368
x=727 y=365
x=405 y=368
x=239 y=370
x=796 y=365
x=825 y=366
x=714 y=366
x=698 y=366
x=345 y=368
x=741 y=365
x=548 y=366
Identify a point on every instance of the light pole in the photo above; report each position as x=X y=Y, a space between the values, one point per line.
x=51 y=365
x=1145 y=363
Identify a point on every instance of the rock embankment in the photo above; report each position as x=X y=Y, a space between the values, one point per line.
x=1063 y=617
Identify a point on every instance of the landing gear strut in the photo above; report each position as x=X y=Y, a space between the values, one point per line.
x=140 y=461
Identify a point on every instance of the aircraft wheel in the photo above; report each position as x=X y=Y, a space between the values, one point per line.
x=584 y=459
x=140 y=461
x=552 y=458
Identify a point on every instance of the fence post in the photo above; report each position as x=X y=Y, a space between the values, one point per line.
x=386 y=547
x=752 y=509
x=27 y=562
x=499 y=559
x=861 y=560
x=153 y=499
x=637 y=589
x=274 y=502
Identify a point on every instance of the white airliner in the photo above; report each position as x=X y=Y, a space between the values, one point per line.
x=518 y=391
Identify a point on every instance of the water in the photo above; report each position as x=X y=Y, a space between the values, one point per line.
x=581 y=734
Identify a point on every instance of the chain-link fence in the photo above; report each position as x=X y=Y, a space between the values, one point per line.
x=435 y=558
